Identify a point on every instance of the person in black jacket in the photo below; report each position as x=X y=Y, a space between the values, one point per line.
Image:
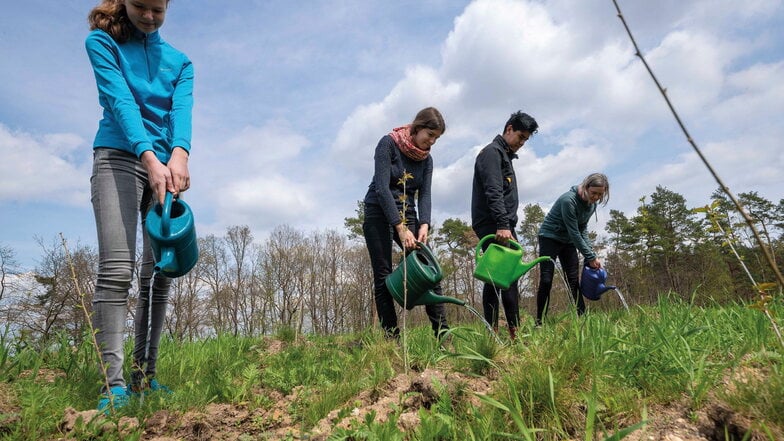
x=494 y=202
x=401 y=182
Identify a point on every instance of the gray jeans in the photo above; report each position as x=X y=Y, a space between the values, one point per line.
x=120 y=195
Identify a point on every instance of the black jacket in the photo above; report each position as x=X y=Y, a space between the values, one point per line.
x=494 y=197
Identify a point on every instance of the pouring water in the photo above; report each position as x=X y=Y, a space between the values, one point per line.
x=623 y=300
x=487 y=325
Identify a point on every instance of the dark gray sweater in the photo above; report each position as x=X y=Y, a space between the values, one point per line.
x=385 y=189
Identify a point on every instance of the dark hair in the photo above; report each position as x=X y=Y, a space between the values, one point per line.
x=522 y=122
x=428 y=118
x=597 y=180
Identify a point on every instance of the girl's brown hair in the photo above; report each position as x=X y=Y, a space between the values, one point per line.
x=110 y=16
x=428 y=118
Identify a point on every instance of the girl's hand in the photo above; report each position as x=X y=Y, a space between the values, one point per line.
x=422 y=234
x=178 y=166
x=158 y=175
x=406 y=237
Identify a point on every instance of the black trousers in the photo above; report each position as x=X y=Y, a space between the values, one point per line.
x=566 y=253
x=510 y=298
x=379 y=235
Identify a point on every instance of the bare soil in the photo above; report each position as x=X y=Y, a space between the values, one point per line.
x=406 y=393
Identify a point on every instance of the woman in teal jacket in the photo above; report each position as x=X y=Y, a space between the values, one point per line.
x=141 y=150
x=563 y=232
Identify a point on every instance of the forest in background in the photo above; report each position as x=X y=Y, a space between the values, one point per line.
x=321 y=282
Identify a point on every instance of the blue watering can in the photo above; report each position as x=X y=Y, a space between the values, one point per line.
x=592 y=283
x=422 y=275
x=172 y=237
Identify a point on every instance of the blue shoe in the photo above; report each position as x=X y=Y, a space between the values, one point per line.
x=115 y=399
x=158 y=387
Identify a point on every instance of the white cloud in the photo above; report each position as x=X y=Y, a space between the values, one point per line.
x=287 y=116
x=43 y=168
x=257 y=178
x=358 y=136
x=265 y=201
x=597 y=106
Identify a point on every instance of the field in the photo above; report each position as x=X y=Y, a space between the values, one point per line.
x=672 y=371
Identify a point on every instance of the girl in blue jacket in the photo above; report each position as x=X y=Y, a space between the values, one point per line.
x=563 y=233
x=141 y=149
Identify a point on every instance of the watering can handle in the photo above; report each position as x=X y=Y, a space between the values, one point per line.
x=429 y=254
x=166 y=215
x=479 y=252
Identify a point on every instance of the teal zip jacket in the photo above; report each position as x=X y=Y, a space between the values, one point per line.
x=567 y=222
x=145 y=87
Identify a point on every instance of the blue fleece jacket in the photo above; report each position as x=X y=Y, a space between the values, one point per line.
x=145 y=87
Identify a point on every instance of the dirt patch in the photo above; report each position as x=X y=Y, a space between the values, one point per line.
x=94 y=422
x=227 y=422
x=43 y=375
x=9 y=408
x=677 y=422
x=668 y=423
x=274 y=346
x=403 y=396
x=407 y=392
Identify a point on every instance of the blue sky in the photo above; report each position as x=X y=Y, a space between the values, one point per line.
x=292 y=97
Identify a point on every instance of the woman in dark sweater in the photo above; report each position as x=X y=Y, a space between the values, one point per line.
x=401 y=183
x=564 y=232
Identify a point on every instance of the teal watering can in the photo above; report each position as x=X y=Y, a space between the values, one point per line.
x=501 y=266
x=173 y=237
x=592 y=283
x=422 y=275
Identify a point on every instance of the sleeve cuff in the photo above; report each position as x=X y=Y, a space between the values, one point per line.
x=142 y=147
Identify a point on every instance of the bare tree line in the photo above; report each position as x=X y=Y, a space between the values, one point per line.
x=321 y=282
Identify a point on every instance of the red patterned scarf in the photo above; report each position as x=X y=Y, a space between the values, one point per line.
x=402 y=137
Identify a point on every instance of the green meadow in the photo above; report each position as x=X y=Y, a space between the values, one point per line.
x=670 y=369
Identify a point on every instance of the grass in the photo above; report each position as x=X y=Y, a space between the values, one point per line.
x=592 y=377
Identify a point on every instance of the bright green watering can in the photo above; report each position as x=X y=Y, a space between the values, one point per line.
x=502 y=266
x=422 y=275
x=172 y=237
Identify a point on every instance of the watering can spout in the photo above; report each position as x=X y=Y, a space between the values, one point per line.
x=525 y=267
x=168 y=261
x=431 y=298
x=604 y=288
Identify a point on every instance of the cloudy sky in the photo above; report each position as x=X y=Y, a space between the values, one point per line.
x=292 y=97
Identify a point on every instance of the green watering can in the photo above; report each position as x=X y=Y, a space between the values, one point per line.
x=502 y=266
x=172 y=237
x=423 y=274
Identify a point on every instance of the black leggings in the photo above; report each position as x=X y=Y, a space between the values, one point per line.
x=379 y=235
x=566 y=253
